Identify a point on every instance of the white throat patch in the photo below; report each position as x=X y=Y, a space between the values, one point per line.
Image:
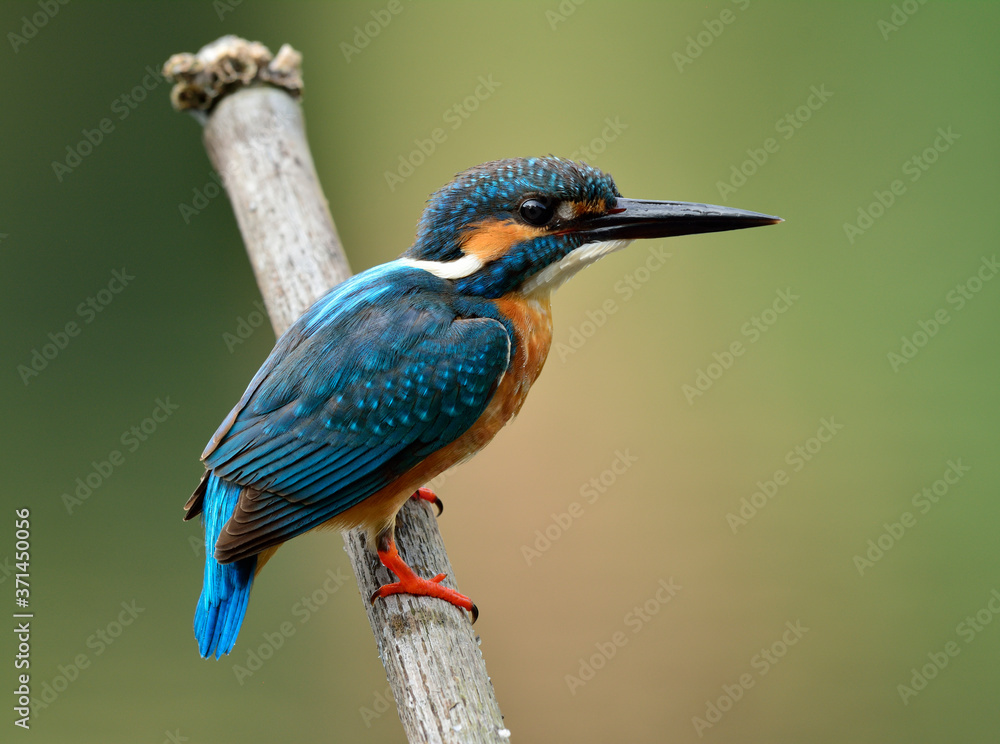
x=460 y=268
x=552 y=276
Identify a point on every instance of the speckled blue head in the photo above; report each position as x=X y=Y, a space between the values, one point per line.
x=529 y=223
x=478 y=211
x=496 y=189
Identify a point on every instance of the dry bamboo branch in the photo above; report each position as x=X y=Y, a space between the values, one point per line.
x=255 y=137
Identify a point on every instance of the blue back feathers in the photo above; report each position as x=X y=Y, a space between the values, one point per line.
x=388 y=367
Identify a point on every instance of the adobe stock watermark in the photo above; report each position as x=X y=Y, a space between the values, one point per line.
x=223 y=8
x=121 y=107
x=900 y=16
x=753 y=330
x=97 y=642
x=914 y=167
x=6 y=569
x=714 y=28
x=590 y=493
x=453 y=116
x=87 y=311
x=30 y=25
x=761 y=664
x=245 y=327
x=591 y=151
x=131 y=440
x=175 y=736
x=624 y=289
x=562 y=12
x=937 y=661
x=923 y=501
x=957 y=298
x=796 y=458
x=303 y=610
x=634 y=620
x=787 y=126
x=382 y=702
x=260 y=143
x=202 y=196
x=363 y=35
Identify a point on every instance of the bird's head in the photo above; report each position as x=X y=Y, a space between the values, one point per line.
x=528 y=224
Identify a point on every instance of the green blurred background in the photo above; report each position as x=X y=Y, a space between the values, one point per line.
x=671 y=117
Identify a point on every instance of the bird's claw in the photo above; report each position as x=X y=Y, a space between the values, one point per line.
x=448 y=595
x=426 y=494
x=409 y=583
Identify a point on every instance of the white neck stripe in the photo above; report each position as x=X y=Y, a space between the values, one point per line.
x=457 y=269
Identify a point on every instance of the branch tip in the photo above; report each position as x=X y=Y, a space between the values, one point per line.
x=227 y=65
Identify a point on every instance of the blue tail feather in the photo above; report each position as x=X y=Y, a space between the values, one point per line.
x=224 y=596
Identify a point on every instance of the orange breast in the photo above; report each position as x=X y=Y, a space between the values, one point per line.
x=532 y=319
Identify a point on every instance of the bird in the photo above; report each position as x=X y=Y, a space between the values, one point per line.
x=408 y=368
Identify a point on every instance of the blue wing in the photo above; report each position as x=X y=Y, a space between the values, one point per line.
x=381 y=372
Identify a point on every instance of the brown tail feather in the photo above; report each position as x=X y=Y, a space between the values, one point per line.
x=195 y=503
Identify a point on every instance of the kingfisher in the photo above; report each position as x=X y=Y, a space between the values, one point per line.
x=409 y=368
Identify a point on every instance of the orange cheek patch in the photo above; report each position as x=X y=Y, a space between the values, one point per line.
x=491 y=239
x=589 y=209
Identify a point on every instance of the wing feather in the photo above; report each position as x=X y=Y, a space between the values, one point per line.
x=357 y=392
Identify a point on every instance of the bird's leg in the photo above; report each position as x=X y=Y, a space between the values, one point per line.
x=410 y=583
x=426 y=494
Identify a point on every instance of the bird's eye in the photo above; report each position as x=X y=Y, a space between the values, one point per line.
x=537 y=211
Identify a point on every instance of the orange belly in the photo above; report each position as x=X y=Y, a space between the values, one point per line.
x=532 y=319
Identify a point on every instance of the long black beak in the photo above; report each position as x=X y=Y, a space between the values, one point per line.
x=635 y=218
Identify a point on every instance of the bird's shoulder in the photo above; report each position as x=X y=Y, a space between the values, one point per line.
x=390 y=326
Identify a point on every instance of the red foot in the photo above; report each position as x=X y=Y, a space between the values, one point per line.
x=426 y=494
x=410 y=583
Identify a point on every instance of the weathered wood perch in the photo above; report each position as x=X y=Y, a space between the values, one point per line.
x=255 y=137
